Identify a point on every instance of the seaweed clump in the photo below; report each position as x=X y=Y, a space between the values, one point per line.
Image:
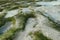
x=37 y=35
x=2 y=19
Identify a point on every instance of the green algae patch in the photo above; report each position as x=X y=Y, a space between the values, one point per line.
x=37 y=35
x=8 y=35
x=2 y=19
x=23 y=17
x=11 y=19
x=2 y=22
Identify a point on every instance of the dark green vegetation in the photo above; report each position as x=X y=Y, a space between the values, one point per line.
x=2 y=19
x=2 y=22
x=37 y=35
